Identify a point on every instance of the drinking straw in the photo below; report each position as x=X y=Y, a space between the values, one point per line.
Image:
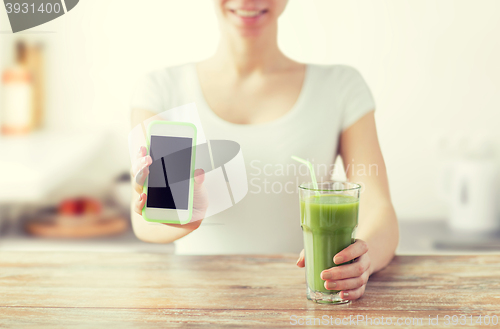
x=311 y=171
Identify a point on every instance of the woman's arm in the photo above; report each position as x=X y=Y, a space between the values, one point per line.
x=153 y=232
x=364 y=164
x=377 y=235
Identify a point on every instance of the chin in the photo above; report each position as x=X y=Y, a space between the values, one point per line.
x=249 y=33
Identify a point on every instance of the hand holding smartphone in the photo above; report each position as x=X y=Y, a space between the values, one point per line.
x=169 y=185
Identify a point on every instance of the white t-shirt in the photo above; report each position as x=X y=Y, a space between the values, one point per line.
x=267 y=220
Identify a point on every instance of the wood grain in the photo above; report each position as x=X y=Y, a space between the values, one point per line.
x=49 y=289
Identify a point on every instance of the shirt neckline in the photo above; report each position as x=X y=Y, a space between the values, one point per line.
x=303 y=94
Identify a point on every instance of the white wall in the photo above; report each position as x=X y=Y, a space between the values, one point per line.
x=432 y=66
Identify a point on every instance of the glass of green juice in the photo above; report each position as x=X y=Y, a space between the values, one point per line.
x=329 y=217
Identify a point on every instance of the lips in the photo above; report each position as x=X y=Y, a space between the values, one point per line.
x=248 y=17
x=248 y=13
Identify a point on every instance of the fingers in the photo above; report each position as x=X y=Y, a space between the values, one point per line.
x=137 y=163
x=356 y=249
x=347 y=271
x=140 y=164
x=351 y=279
x=301 y=261
x=199 y=177
x=142 y=152
x=140 y=179
x=140 y=168
x=353 y=294
x=200 y=196
x=139 y=203
x=347 y=284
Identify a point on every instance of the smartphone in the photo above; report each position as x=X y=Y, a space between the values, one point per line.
x=169 y=185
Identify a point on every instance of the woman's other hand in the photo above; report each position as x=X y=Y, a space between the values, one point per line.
x=351 y=278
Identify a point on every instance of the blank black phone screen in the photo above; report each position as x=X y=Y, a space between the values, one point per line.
x=169 y=174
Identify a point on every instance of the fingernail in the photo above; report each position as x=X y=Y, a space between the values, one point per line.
x=140 y=198
x=331 y=284
x=338 y=260
x=326 y=275
x=346 y=294
x=298 y=260
x=144 y=160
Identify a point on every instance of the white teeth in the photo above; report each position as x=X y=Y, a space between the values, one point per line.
x=247 y=13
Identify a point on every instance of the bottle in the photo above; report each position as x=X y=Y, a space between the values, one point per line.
x=36 y=67
x=17 y=95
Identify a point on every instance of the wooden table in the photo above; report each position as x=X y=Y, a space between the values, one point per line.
x=96 y=290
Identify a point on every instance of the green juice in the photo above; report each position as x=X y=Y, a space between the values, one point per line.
x=328 y=222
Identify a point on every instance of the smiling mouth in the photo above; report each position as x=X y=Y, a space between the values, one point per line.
x=248 y=13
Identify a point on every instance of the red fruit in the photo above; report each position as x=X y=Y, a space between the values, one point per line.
x=69 y=207
x=80 y=206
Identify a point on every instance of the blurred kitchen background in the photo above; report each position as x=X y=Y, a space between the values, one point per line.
x=64 y=111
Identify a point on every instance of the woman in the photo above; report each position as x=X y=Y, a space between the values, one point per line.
x=274 y=107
